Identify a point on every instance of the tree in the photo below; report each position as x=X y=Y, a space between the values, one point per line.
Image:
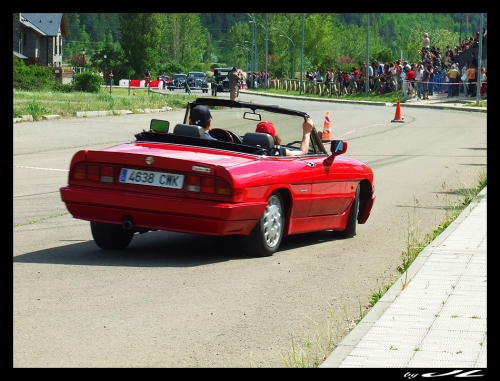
x=322 y=35
x=186 y=38
x=140 y=40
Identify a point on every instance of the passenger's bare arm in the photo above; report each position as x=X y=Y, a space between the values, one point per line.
x=307 y=127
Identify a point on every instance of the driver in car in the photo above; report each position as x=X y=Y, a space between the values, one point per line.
x=201 y=116
x=307 y=126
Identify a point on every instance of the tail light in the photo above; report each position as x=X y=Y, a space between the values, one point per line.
x=209 y=185
x=94 y=172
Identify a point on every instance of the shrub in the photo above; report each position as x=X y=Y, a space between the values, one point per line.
x=88 y=81
x=59 y=87
x=31 y=77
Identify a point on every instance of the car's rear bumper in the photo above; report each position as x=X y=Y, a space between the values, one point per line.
x=162 y=213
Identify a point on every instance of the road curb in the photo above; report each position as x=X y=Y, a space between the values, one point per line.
x=50 y=117
x=87 y=114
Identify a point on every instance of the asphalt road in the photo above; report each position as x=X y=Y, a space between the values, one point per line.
x=177 y=300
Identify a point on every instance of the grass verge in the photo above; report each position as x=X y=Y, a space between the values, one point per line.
x=67 y=104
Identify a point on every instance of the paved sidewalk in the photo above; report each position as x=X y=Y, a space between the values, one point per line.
x=442 y=98
x=439 y=320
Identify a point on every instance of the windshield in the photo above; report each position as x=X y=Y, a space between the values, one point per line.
x=197 y=75
x=242 y=120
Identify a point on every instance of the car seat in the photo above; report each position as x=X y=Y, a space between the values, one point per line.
x=258 y=139
x=189 y=130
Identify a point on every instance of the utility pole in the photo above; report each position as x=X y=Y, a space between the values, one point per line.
x=253 y=48
x=267 y=52
x=302 y=57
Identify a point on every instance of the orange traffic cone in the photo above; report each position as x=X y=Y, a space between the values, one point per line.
x=326 y=135
x=398 y=117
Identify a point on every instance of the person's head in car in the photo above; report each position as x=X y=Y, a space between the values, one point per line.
x=268 y=128
x=201 y=116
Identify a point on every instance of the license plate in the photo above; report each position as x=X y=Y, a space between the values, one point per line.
x=155 y=179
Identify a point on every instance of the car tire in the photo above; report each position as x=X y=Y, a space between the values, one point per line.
x=109 y=236
x=265 y=238
x=352 y=220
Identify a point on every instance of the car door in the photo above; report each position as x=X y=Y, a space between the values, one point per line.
x=328 y=187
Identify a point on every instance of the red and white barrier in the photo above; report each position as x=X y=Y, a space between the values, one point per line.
x=140 y=83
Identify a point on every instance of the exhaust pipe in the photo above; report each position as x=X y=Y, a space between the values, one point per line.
x=128 y=223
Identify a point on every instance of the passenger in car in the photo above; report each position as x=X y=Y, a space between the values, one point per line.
x=200 y=116
x=307 y=126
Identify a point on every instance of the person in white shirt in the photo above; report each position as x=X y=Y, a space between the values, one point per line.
x=418 y=80
x=370 y=76
x=393 y=71
x=405 y=82
x=426 y=42
x=464 y=78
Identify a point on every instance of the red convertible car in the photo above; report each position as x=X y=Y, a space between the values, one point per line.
x=243 y=184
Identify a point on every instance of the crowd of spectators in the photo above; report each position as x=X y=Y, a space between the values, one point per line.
x=257 y=78
x=415 y=80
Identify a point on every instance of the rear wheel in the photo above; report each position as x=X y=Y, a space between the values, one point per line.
x=352 y=220
x=265 y=238
x=110 y=237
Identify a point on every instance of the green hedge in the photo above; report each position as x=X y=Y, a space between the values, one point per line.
x=41 y=78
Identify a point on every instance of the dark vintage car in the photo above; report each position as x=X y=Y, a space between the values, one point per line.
x=178 y=81
x=170 y=178
x=197 y=80
x=221 y=80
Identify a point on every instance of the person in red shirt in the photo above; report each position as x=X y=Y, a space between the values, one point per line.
x=345 y=78
x=352 y=78
x=410 y=77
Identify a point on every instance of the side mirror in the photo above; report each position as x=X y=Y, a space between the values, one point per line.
x=338 y=147
x=158 y=125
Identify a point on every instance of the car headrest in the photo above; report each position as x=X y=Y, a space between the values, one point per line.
x=189 y=130
x=258 y=139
